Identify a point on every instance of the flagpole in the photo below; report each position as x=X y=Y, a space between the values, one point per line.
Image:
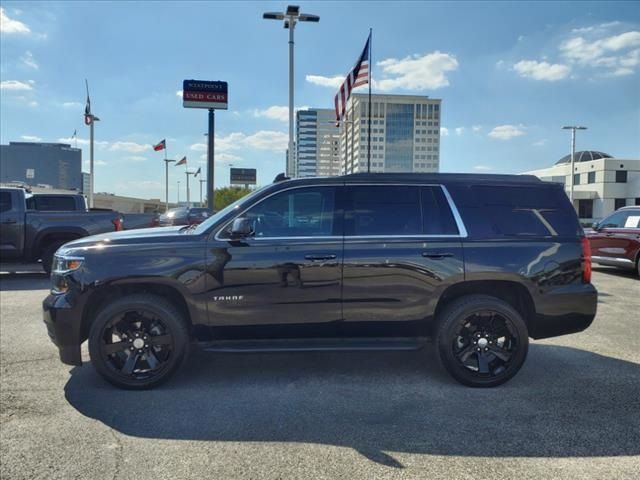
x=369 y=131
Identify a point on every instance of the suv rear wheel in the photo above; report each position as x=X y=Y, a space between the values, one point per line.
x=138 y=341
x=481 y=340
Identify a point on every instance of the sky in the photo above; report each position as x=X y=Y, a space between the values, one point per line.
x=510 y=75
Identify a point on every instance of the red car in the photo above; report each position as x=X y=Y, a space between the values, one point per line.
x=615 y=241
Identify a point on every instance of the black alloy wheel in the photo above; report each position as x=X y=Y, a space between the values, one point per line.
x=138 y=341
x=482 y=341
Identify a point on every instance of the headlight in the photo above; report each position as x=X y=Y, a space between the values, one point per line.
x=64 y=264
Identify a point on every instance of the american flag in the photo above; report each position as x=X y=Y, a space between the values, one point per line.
x=358 y=76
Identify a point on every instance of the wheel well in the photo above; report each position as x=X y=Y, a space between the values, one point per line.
x=52 y=239
x=513 y=293
x=98 y=299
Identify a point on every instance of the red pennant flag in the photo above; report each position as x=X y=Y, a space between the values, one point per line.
x=160 y=146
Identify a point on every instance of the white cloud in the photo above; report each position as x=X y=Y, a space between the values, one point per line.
x=28 y=60
x=130 y=147
x=179 y=93
x=71 y=104
x=459 y=131
x=9 y=25
x=483 y=168
x=476 y=128
x=414 y=72
x=615 y=55
x=83 y=142
x=268 y=140
x=333 y=82
x=33 y=104
x=275 y=112
x=444 y=131
x=221 y=158
x=137 y=158
x=540 y=143
x=233 y=141
x=507 y=132
x=16 y=85
x=550 y=72
x=593 y=28
x=198 y=147
x=417 y=72
x=30 y=138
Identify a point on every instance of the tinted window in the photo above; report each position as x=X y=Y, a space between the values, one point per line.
x=623 y=219
x=576 y=179
x=383 y=210
x=303 y=212
x=436 y=214
x=591 y=178
x=51 y=203
x=526 y=211
x=5 y=201
x=621 y=176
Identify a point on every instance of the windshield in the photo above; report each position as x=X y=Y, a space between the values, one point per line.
x=215 y=218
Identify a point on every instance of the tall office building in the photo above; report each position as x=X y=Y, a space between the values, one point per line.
x=317 y=143
x=57 y=165
x=405 y=134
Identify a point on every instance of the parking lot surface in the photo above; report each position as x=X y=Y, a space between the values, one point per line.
x=572 y=412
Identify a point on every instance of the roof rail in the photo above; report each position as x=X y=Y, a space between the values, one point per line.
x=281 y=177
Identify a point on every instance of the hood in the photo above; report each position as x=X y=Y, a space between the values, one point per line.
x=127 y=237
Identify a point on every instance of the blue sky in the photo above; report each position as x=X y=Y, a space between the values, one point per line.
x=509 y=74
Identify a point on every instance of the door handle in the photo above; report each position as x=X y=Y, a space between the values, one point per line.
x=436 y=255
x=318 y=258
x=9 y=221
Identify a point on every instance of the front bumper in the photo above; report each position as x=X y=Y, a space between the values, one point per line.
x=564 y=310
x=63 y=317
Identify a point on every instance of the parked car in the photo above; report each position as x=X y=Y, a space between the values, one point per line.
x=28 y=234
x=615 y=241
x=134 y=221
x=184 y=216
x=480 y=263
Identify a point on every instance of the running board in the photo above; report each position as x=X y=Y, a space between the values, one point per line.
x=314 y=344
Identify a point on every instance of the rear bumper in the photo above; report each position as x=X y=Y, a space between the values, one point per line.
x=614 y=262
x=63 y=319
x=564 y=310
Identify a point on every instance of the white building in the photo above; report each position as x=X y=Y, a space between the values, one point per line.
x=602 y=184
x=317 y=143
x=405 y=134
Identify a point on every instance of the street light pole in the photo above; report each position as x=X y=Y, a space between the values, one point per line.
x=178 y=199
x=291 y=16
x=202 y=180
x=573 y=154
x=94 y=119
x=166 y=181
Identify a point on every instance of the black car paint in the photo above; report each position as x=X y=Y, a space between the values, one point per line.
x=339 y=286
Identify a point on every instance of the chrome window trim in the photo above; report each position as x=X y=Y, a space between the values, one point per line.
x=462 y=230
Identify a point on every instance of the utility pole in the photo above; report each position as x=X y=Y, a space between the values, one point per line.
x=210 y=162
x=202 y=180
x=166 y=181
x=573 y=154
x=178 y=200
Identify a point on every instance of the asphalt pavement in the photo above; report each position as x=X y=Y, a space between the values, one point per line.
x=572 y=412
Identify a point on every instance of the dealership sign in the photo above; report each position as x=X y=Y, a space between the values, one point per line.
x=204 y=94
x=243 y=176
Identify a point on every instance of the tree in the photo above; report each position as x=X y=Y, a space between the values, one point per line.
x=227 y=195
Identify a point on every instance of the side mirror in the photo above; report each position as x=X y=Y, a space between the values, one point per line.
x=595 y=225
x=241 y=227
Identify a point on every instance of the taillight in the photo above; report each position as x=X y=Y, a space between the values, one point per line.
x=586 y=260
x=117 y=223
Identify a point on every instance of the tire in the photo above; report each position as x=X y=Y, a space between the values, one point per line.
x=151 y=341
x=47 y=255
x=497 y=329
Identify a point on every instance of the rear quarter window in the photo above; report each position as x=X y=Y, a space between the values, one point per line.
x=517 y=211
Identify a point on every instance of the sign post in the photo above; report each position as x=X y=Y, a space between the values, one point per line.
x=212 y=96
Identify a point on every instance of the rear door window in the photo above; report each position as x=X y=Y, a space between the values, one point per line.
x=5 y=201
x=385 y=210
x=436 y=213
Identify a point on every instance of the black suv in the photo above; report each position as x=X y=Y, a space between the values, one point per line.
x=480 y=263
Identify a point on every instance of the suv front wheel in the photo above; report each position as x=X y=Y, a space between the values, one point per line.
x=481 y=340
x=138 y=341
